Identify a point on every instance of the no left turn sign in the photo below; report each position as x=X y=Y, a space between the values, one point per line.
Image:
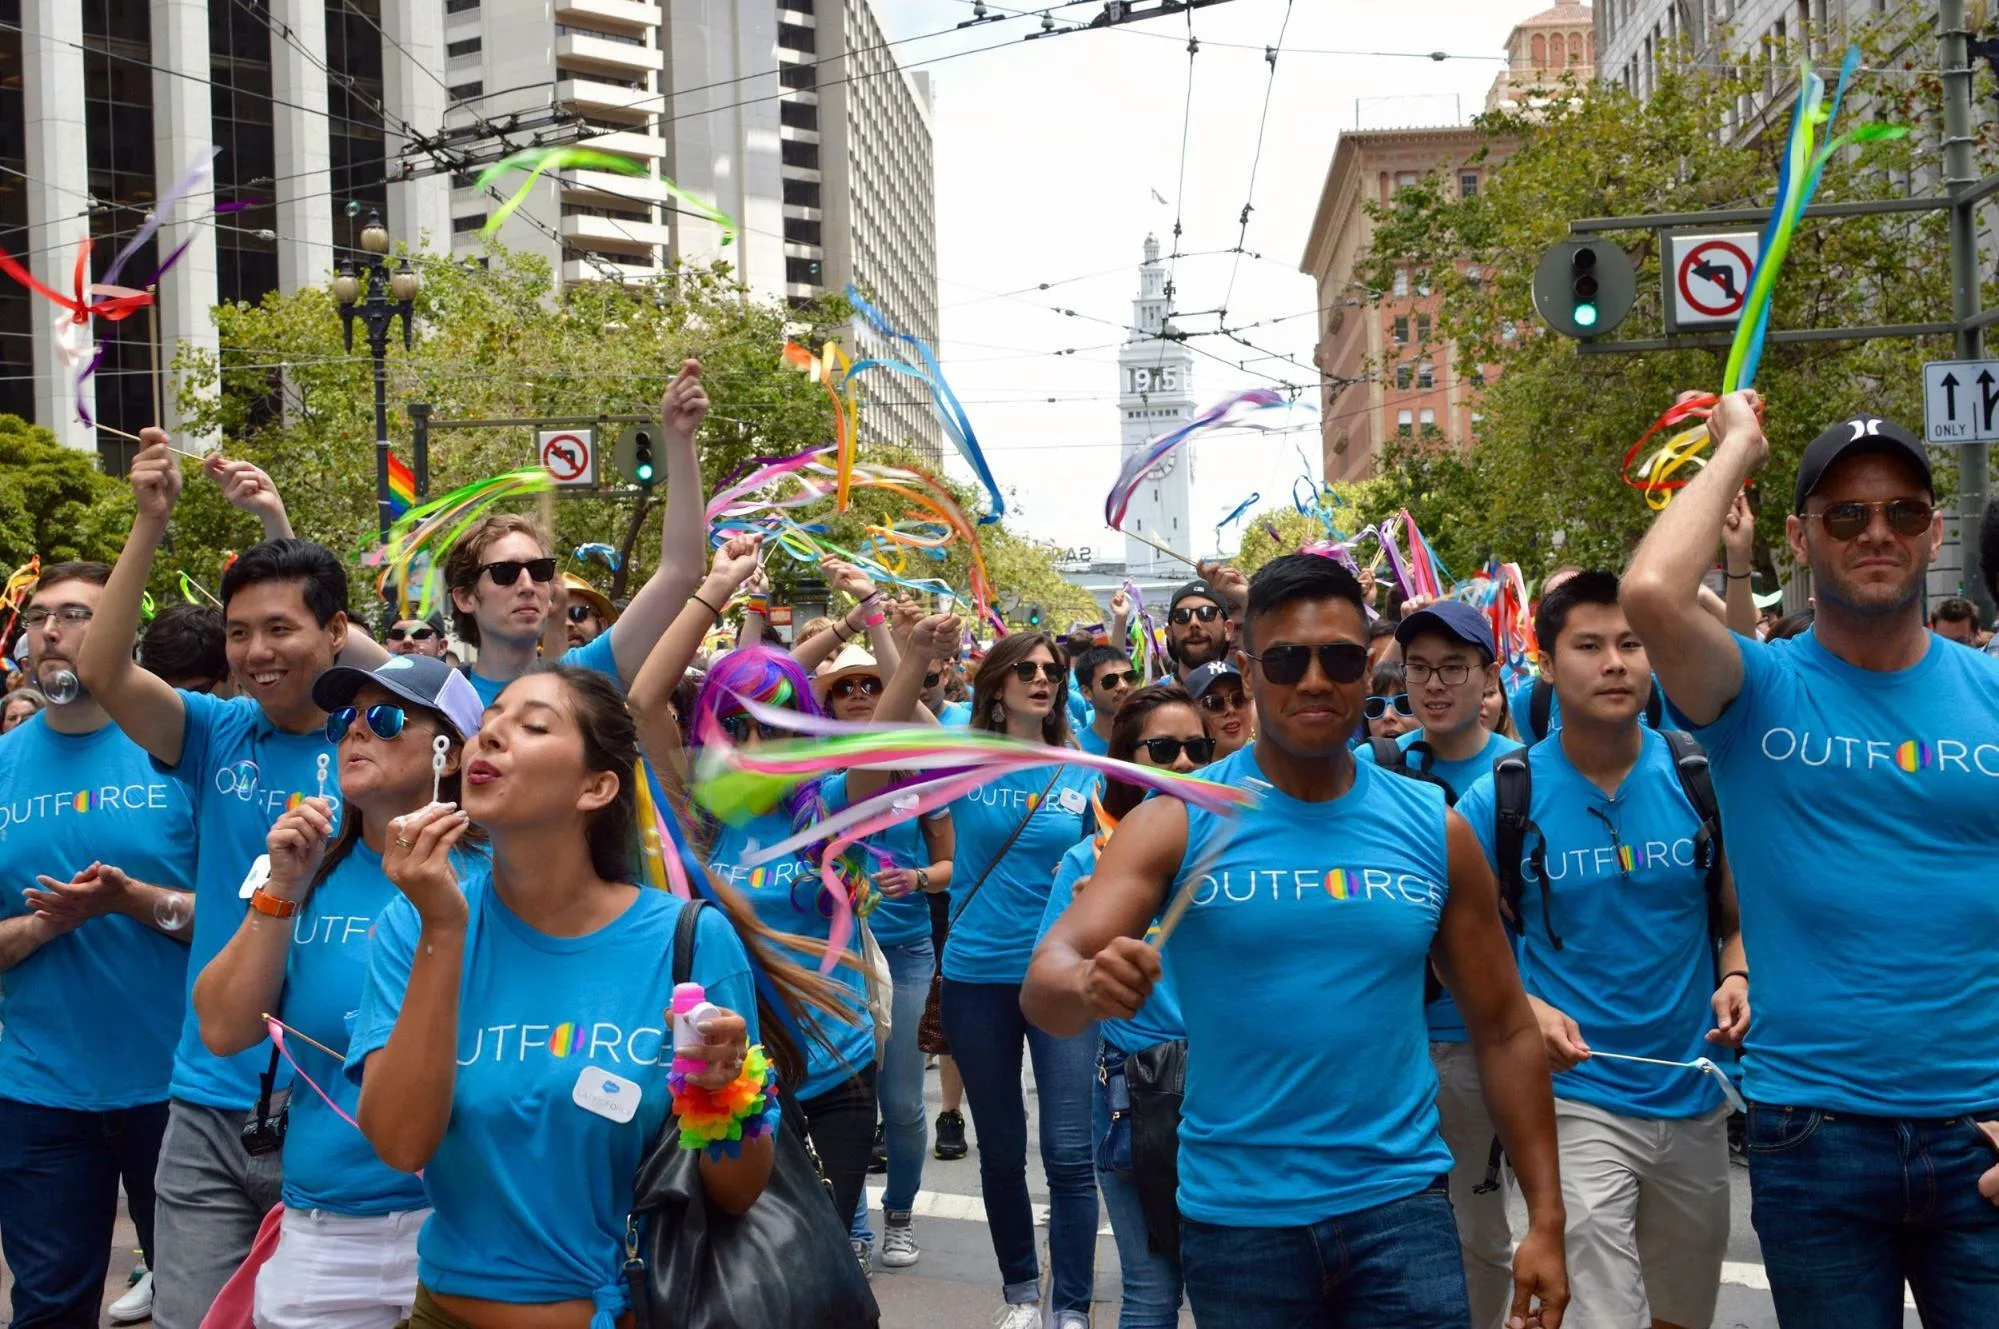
x=1710 y=277
x=568 y=456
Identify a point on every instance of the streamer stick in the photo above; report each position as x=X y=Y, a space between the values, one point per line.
x=153 y=348
x=1170 y=553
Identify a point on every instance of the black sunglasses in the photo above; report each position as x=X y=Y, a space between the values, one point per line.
x=1214 y=701
x=739 y=726
x=383 y=720
x=578 y=613
x=508 y=570
x=1342 y=661
x=413 y=634
x=1849 y=521
x=1376 y=707
x=930 y=680
x=1180 y=618
x=867 y=685
x=1111 y=680
x=1029 y=670
x=1166 y=751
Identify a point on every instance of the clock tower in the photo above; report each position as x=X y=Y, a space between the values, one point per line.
x=1156 y=396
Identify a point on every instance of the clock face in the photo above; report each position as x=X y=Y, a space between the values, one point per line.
x=1165 y=467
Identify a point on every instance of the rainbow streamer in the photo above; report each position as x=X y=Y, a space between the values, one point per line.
x=1422 y=573
x=1233 y=517
x=537 y=160
x=665 y=850
x=195 y=593
x=433 y=527
x=21 y=583
x=1231 y=412
x=833 y=370
x=606 y=554
x=950 y=412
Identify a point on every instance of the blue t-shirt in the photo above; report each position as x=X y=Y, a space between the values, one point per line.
x=993 y=938
x=1080 y=710
x=789 y=896
x=1087 y=740
x=903 y=922
x=1299 y=964
x=529 y=1189
x=89 y=1020
x=595 y=655
x=956 y=714
x=1447 y=1023
x=1159 y=1019
x=1862 y=810
x=328 y=1163
x=1636 y=966
x=242 y=773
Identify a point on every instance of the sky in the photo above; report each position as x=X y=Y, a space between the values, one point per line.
x=1048 y=153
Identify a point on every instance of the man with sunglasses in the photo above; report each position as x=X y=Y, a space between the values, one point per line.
x=1197 y=628
x=416 y=636
x=1306 y=923
x=1622 y=900
x=1106 y=678
x=1864 y=753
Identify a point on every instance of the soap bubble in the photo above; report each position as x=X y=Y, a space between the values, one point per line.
x=172 y=911
x=61 y=686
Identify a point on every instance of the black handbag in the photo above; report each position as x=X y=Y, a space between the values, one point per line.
x=786 y=1261
x=1156 y=1078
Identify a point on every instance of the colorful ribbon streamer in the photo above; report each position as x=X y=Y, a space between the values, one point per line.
x=1233 y=411
x=834 y=371
x=537 y=160
x=432 y=528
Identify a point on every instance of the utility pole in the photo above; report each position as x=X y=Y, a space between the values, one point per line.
x=1960 y=170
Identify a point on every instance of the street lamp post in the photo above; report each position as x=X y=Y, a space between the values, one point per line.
x=377 y=296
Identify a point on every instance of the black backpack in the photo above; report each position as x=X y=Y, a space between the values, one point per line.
x=1541 y=705
x=1392 y=756
x=1512 y=782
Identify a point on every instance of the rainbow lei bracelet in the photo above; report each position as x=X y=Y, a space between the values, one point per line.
x=719 y=1120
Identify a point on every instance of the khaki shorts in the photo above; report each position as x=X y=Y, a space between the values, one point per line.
x=1648 y=1216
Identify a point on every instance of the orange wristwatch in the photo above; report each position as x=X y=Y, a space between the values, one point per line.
x=265 y=903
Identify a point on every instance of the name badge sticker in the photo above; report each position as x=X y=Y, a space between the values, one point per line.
x=612 y=1097
x=260 y=872
x=1072 y=800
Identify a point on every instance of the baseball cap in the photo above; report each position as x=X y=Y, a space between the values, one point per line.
x=1197 y=587
x=417 y=679
x=1858 y=437
x=1453 y=618
x=1207 y=675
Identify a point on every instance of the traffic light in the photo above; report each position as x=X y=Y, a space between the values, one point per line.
x=634 y=456
x=1034 y=616
x=1584 y=288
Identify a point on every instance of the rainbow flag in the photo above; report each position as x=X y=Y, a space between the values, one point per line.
x=402 y=487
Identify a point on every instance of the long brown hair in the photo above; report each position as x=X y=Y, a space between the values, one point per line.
x=1120 y=798
x=997 y=667
x=610 y=743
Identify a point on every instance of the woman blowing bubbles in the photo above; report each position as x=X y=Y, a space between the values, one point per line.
x=512 y=1040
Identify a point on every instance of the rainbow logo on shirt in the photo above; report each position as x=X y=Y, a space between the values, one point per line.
x=1628 y=859
x=1340 y=884
x=757 y=876
x=562 y=1040
x=1033 y=802
x=294 y=801
x=82 y=801
x=1912 y=756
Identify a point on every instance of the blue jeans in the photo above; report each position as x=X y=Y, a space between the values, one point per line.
x=987 y=1032
x=1848 y=1207
x=59 y=1176
x=1151 y=1280
x=899 y=1086
x=1395 y=1264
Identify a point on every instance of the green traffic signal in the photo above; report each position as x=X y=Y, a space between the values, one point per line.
x=1584 y=287
x=1585 y=315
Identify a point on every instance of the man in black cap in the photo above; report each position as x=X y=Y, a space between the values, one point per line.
x=1197 y=628
x=1865 y=752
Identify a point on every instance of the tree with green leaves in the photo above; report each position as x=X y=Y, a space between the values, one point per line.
x=53 y=500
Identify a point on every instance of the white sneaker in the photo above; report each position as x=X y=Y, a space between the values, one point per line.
x=1024 y=1316
x=865 y=1256
x=1071 y=1320
x=135 y=1305
x=899 y=1244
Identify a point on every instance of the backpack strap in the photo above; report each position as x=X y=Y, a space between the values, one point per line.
x=683 y=940
x=1513 y=831
x=1425 y=757
x=1389 y=756
x=1540 y=705
x=1655 y=708
x=1697 y=783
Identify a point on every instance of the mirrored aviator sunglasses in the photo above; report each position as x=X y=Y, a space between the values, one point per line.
x=1340 y=661
x=383 y=720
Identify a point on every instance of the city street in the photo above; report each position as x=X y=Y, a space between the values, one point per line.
x=954 y=1285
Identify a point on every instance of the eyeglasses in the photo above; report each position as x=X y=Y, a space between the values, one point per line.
x=1029 y=670
x=67 y=615
x=1451 y=674
x=866 y=685
x=1181 y=617
x=384 y=721
x=1376 y=707
x=930 y=680
x=579 y=613
x=1849 y=521
x=413 y=634
x=739 y=726
x=1215 y=702
x=508 y=570
x=1341 y=661
x=1111 y=680
x=1166 y=751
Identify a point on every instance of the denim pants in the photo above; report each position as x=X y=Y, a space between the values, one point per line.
x=1395 y=1264
x=899 y=1086
x=1151 y=1280
x=987 y=1032
x=59 y=1176
x=1848 y=1207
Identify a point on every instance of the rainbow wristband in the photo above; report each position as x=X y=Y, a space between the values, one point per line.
x=719 y=1120
x=757 y=604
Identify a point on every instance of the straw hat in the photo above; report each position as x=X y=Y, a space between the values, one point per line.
x=851 y=661
x=581 y=590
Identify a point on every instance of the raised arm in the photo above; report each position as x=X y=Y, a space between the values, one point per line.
x=756 y=608
x=652 y=690
x=868 y=615
x=1738 y=545
x=683 y=531
x=248 y=488
x=247 y=977
x=1094 y=963
x=1476 y=964
x=933 y=638
x=1696 y=657
x=149 y=711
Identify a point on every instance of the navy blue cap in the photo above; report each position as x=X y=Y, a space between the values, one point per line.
x=1453 y=618
x=1207 y=675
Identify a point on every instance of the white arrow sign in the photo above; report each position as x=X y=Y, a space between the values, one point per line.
x=1961 y=401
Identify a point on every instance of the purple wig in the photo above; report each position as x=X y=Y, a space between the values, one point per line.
x=775 y=679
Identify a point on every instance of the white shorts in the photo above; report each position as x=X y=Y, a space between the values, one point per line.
x=331 y=1271
x=1648 y=1216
